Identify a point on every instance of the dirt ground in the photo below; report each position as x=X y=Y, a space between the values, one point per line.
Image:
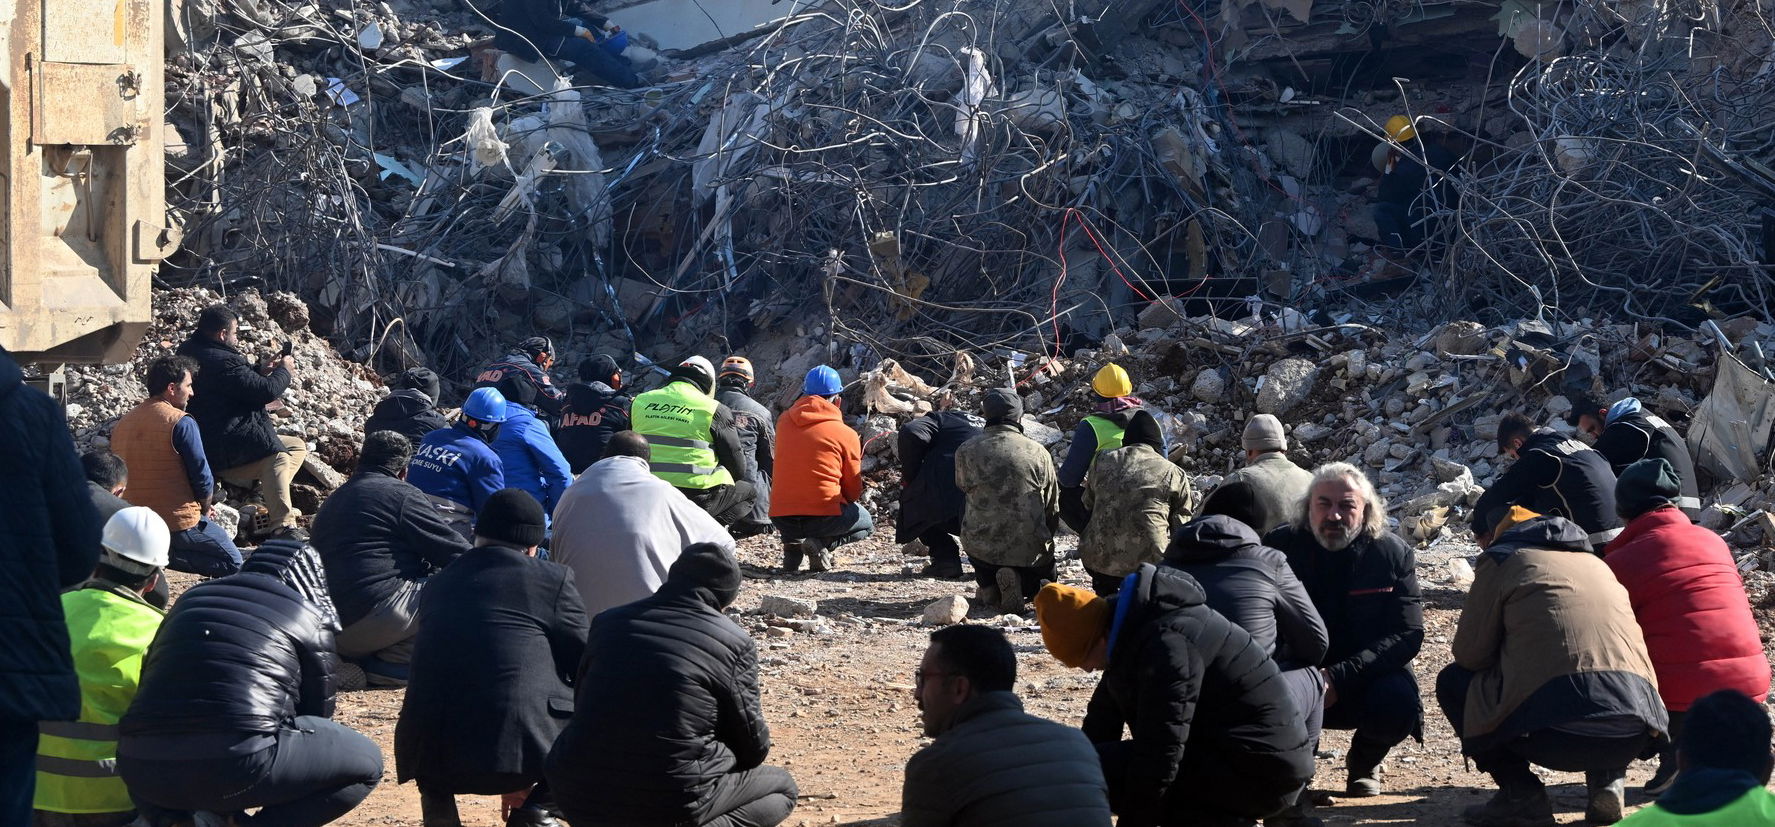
x=838 y=695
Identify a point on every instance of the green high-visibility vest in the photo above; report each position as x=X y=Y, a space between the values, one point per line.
x=1109 y=434
x=675 y=419
x=1756 y=806
x=109 y=630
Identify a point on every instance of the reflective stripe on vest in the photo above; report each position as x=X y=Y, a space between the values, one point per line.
x=676 y=420
x=1109 y=434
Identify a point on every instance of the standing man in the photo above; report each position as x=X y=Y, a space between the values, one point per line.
x=667 y=729
x=531 y=359
x=696 y=446
x=1013 y=505
x=593 y=410
x=49 y=541
x=228 y=400
x=930 y=504
x=456 y=467
x=817 y=504
x=1553 y=475
x=1276 y=484
x=992 y=763
x=411 y=409
x=1688 y=598
x=1626 y=433
x=381 y=541
x=159 y=441
x=527 y=454
x=1100 y=430
x=620 y=528
x=110 y=624
x=492 y=672
x=1363 y=580
x=758 y=437
x=1136 y=498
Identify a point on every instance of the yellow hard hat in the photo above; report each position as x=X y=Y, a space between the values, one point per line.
x=1399 y=128
x=1111 y=382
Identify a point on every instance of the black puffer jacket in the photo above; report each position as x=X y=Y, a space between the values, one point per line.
x=1557 y=476
x=930 y=497
x=1369 y=597
x=406 y=412
x=1252 y=585
x=230 y=401
x=758 y=442
x=49 y=541
x=667 y=703
x=998 y=766
x=240 y=655
x=591 y=414
x=1183 y=677
x=374 y=532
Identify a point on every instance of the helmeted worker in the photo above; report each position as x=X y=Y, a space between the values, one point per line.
x=1099 y=431
x=110 y=625
x=1626 y=433
x=1406 y=195
x=457 y=467
x=819 y=496
x=528 y=456
x=1554 y=475
x=696 y=446
x=758 y=437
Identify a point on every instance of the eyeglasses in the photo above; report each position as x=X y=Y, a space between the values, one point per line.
x=919 y=676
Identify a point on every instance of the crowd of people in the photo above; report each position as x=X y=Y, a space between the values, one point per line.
x=548 y=577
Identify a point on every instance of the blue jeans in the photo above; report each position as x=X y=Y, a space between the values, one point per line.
x=590 y=57
x=849 y=525
x=204 y=549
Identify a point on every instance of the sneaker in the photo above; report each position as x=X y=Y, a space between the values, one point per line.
x=291 y=532
x=822 y=559
x=350 y=677
x=1662 y=779
x=1608 y=793
x=1503 y=810
x=1010 y=591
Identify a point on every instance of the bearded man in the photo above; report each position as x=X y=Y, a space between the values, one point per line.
x=1363 y=580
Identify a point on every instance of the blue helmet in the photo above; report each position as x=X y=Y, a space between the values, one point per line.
x=486 y=405
x=822 y=381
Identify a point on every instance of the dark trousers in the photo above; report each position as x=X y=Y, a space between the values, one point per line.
x=758 y=797
x=1216 y=789
x=1394 y=221
x=726 y=503
x=850 y=524
x=315 y=772
x=1601 y=759
x=1105 y=584
x=590 y=57
x=1029 y=578
x=945 y=550
x=18 y=769
x=1383 y=713
x=203 y=549
x=437 y=799
x=1307 y=688
x=1668 y=751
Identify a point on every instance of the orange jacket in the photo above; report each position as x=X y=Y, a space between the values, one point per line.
x=819 y=461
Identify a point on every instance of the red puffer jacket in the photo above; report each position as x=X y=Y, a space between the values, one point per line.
x=1691 y=607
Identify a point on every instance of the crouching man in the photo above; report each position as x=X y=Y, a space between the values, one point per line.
x=666 y=728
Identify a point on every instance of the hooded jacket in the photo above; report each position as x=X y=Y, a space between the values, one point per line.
x=821 y=460
x=591 y=414
x=1137 y=497
x=927 y=446
x=667 y=703
x=1190 y=685
x=229 y=403
x=375 y=532
x=407 y=412
x=758 y=444
x=1253 y=586
x=1369 y=598
x=1689 y=599
x=49 y=541
x=998 y=766
x=1560 y=477
x=1551 y=639
x=528 y=458
x=1630 y=434
x=1013 y=499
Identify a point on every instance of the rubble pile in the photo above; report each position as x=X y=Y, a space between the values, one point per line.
x=327 y=403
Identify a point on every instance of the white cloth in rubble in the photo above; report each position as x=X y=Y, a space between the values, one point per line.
x=619 y=528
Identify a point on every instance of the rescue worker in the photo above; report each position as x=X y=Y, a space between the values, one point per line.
x=1626 y=433
x=594 y=410
x=1137 y=499
x=532 y=358
x=1013 y=505
x=818 y=506
x=1724 y=751
x=758 y=438
x=1100 y=430
x=930 y=503
x=1406 y=194
x=696 y=446
x=457 y=467
x=1553 y=475
x=528 y=456
x=110 y=624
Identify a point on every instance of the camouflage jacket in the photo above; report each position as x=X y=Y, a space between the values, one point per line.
x=1013 y=498
x=1137 y=498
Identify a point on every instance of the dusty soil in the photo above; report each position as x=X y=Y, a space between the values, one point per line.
x=838 y=694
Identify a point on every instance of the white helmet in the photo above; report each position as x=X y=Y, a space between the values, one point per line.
x=136 y=540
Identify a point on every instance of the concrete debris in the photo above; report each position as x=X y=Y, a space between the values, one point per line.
x=946 y=611
x=783 y=606
x=1286 y=385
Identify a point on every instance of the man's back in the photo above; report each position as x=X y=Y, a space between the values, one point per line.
x=1137 y=499
x=458 y=466
x=1001 y=767
x=375 y=531
x=1012 y=497
x=590 y=414
x=1277 y=485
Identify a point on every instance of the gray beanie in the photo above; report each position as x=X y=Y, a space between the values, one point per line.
x=1264 y=433
x=1002 y=405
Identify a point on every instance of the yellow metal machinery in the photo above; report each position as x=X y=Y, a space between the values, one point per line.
x=83 y=192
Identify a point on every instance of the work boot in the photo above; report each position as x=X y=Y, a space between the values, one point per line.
x=528 y=816
x=1523 y=808
x=792 y=554
x=1364 y=764
x=1662 y=779
x=941 y=572
x=1010 y=591
x=290 y=532
x=1608 y=792
x=438 y=809
x=986 y=596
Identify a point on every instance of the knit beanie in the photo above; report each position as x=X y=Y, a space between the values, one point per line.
x=1143 y=429
x=511 y=516
x=706 y=567
x=1264 y=433
x=1072 y=621
x=420 y=379
x=1002 y=405
x=1236 y=499
x=1645 y=485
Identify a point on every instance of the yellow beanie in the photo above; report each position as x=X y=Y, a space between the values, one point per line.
x=1072 y=621
x=1112 y=382
x=1516 y=515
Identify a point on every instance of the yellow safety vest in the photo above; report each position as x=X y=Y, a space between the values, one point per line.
x=1755 y=807
x=1109 y=434
x=109 y=629
x=675 y=419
